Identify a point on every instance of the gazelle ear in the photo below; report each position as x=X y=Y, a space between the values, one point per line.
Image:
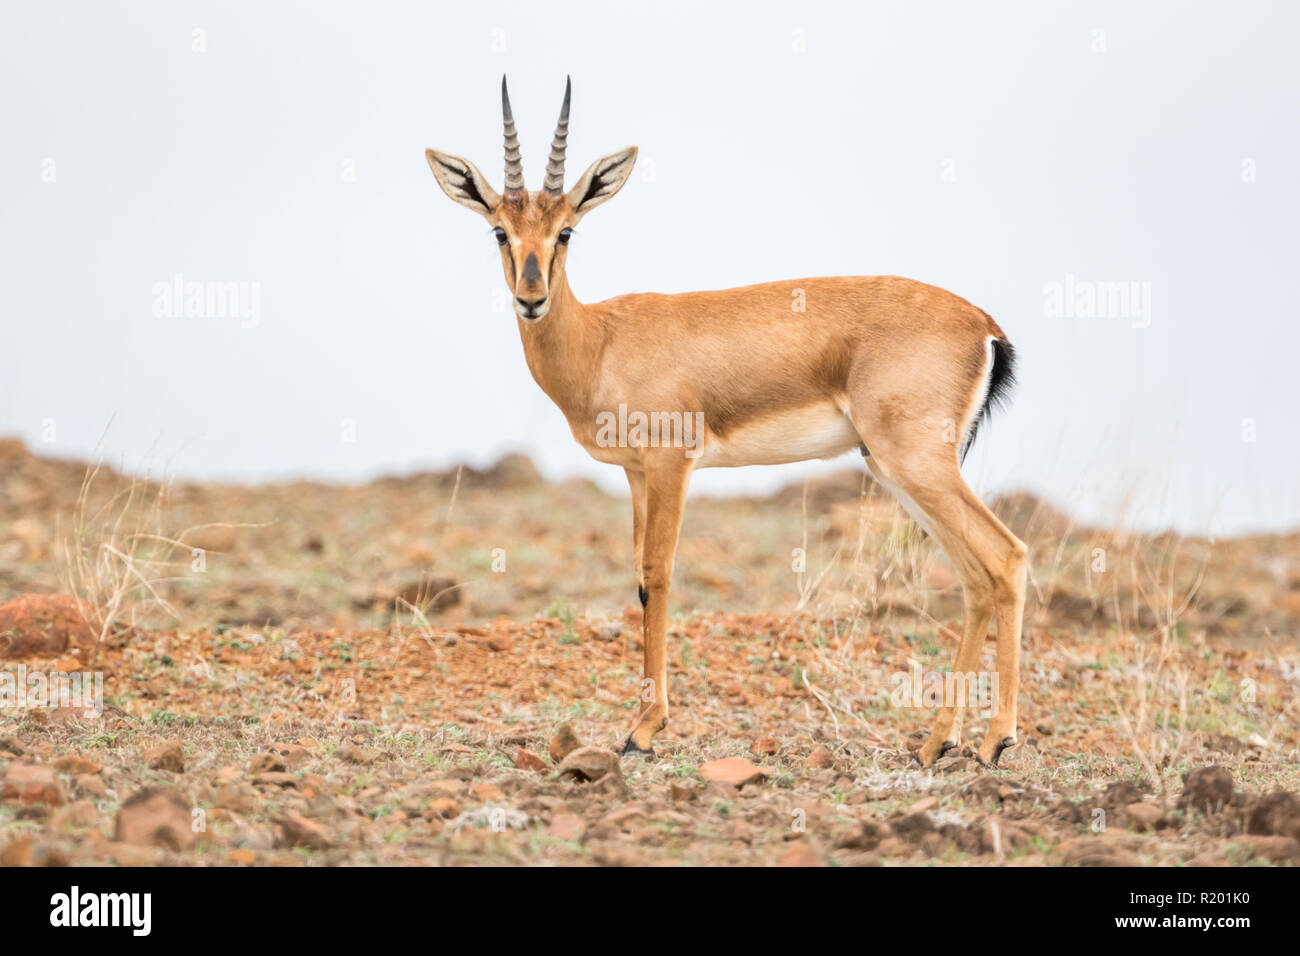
x=461 y=180
x=602 y=179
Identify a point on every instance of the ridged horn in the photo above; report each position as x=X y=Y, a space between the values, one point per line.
x=514 y=165
x=555 y=164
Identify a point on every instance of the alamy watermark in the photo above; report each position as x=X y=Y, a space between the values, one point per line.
x=41 y=689
x=182 y=298
x=130 y=910
x=1085 y=299
x=650 y=430
x=917 y=687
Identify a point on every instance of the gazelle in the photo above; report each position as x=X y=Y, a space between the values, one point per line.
x=903 y=369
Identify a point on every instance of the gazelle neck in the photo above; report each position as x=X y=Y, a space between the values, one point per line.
x=563 y=350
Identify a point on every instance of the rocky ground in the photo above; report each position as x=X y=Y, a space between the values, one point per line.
x=436 y=669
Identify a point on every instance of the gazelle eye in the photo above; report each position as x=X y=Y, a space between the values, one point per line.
x=563 y=237
x=500 y=234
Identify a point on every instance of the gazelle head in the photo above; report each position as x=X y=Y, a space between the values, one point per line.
x=532 y=228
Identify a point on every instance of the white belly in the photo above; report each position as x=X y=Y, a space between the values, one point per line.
x=815 y=431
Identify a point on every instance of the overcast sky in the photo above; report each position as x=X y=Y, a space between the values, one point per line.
x=1022 y=155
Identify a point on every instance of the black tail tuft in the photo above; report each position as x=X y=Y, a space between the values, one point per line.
x=1002 y=377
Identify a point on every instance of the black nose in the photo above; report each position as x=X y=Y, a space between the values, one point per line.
x=530 y=306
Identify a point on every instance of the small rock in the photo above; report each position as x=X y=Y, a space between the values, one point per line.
x=590 y=763
x=1207 y=789
x=43 y=625
x=1143 y=817
x=168 y=757
x=156 y=816
x=299 y=831
x=736 y=771
x=765 y=747
x=609 y=630
x=32 y=783
x=527 y=760
x=563 y=743
x=1277 y=814
x=821 y=758
x=954 y=764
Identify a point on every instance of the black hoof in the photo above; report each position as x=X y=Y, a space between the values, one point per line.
x=632 y=750
x=943 y=749
x=643 y=594
x=1003 y=744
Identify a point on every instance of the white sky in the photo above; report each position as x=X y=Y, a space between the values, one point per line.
x=757 y=163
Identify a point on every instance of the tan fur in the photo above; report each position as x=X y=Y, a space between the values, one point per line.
x=889 y=362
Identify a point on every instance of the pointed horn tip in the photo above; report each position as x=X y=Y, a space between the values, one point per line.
x=568 y=94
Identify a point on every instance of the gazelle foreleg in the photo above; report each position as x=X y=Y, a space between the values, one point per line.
x=666 y=477
x=636 y=481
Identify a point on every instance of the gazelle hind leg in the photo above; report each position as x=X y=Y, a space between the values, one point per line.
x=989 y=560
x=977 y=598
